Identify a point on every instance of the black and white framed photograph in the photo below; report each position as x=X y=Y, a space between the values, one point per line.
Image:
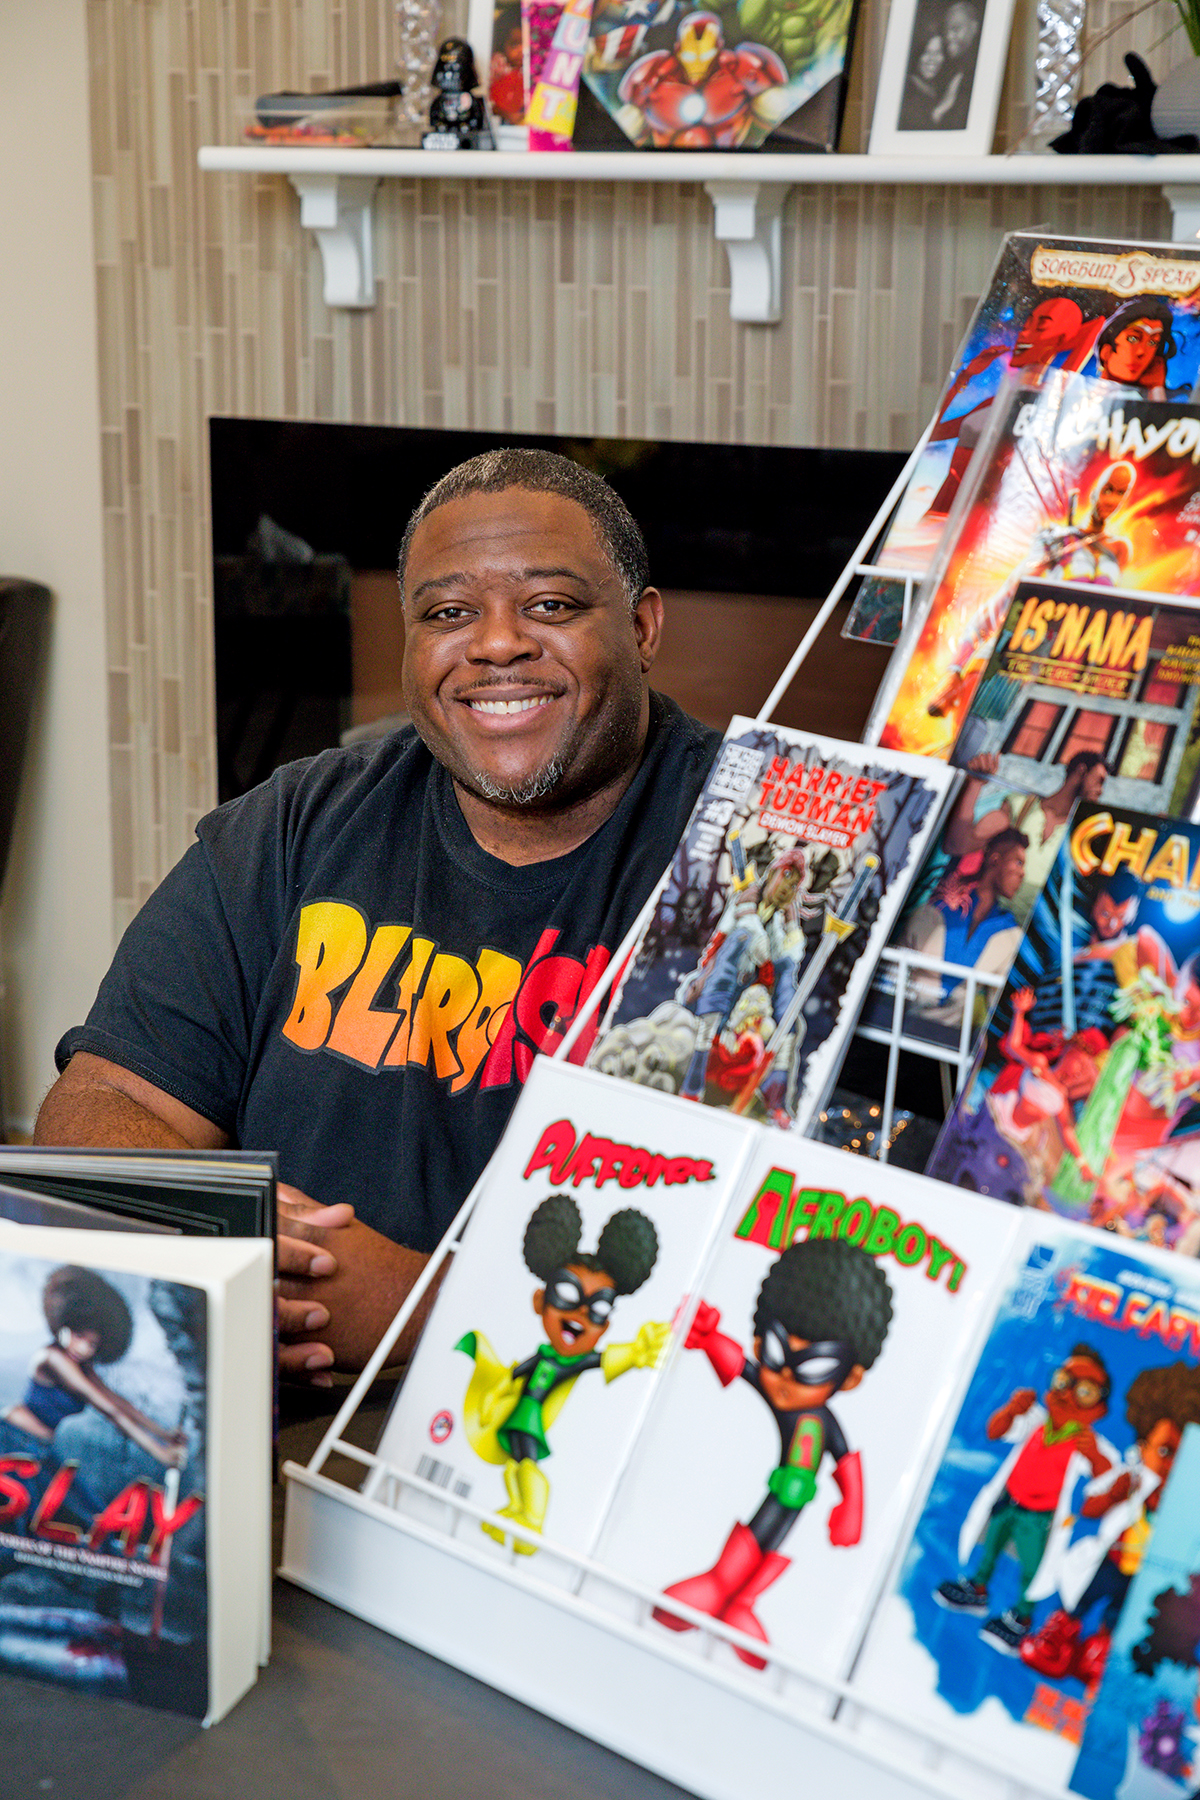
x=939 y=84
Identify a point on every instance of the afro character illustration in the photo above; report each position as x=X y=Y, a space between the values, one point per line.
x=1098 y=1570
x=508 y=1410
x=822 y=1315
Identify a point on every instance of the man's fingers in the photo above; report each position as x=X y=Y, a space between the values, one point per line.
x=297 y=1315
x=307 y=1362
x=295 y=1256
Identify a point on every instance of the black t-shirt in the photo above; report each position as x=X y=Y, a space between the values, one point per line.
x=338 y=971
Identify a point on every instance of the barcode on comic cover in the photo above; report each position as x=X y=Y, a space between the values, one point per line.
x=441 y=1475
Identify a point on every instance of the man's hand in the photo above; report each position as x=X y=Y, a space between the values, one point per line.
x=1003 y=1418
x=351 y=1280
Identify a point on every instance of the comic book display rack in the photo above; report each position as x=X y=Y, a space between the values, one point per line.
x=566 y=1631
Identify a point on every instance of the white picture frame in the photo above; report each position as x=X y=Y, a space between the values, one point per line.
x=940 y=78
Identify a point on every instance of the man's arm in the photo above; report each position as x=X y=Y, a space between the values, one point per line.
x=964 y=832
x=97 y=1104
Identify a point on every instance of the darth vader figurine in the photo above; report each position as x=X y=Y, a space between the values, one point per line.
x=458 y=116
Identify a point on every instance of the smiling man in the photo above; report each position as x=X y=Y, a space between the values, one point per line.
x=357 y=962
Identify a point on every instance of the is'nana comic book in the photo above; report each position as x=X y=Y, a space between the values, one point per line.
x=539 y=1359
x=1127 y=313
x=777 y=1466
x=1084 y=1099
x=1077 y=481
x=745 y=984
x=1015 y=1584
x=1118 y=670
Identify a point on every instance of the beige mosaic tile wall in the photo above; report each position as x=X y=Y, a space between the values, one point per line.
x=597 y=309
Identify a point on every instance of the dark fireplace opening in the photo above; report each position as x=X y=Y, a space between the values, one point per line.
x=744 y=541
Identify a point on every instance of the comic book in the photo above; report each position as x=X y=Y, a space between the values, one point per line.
x=1084 y=1095
x=967 y=907
x=1141 y=1740
x=676 y=79
x=1044 y=1503
x=539 y=1360
x=1129 y=313
x=777 y=1467
x=1076 y=481
x=135 y=1403
x=744 y=986
x=1117 y=670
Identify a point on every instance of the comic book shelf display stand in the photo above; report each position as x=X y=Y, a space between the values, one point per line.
x=659 y=1700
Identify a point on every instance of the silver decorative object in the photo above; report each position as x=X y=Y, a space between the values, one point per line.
x=1059 y=53
x=417 y=23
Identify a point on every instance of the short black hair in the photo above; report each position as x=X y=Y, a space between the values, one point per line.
x=827 y=1289
x=1004 y=841
x=545 y=472
x=1085 y=760
x=81 y=1300
x=626 y=1252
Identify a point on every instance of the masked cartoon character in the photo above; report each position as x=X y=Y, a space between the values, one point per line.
x=822 y=1315
x=509 y=1410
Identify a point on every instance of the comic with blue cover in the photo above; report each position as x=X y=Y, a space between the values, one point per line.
x=1044 y=1504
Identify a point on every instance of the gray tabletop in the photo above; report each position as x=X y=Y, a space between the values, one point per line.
x=342 y=1712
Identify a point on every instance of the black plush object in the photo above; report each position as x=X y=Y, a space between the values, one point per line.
x=1118 y=119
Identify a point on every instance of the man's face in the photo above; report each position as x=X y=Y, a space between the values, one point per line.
x=523 y=669
x=570 y=1330
x=1111 y=492
x=1076 y=1393
x=1050 y=326
x=1109 y=918
x=1008 y=870
x=962 y=28
x=1132 y=350
x=1094 y=778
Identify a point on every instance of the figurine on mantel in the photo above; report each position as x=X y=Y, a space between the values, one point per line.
x=458 y=117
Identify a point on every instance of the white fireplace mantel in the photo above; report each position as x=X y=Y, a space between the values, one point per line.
x=748 y=191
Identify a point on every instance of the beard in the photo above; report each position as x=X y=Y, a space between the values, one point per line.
x=535 y=788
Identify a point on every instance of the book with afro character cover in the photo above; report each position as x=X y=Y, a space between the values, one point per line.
x=539 y=1359
x=781 y=1456
x=1015 y=1583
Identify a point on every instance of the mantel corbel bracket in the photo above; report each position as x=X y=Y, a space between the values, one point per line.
x=747 y=216
x=337 y=210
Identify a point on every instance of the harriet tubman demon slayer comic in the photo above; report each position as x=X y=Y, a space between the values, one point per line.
x=745 y=984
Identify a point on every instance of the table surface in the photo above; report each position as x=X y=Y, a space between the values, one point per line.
x=342 y=1712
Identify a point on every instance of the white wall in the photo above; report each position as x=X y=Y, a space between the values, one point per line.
x=56 y=920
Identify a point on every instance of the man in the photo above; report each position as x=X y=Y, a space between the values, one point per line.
x=1043 y=819
x=359 y=960
x=982 y=933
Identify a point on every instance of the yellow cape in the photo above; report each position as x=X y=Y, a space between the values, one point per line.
x=490 y=1372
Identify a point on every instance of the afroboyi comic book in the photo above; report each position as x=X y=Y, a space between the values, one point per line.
x=1045 y=1502
x=1128 y=313
x=1084 y=1096
x=534 y=1371
x=1142 y=1741
x=967 y=907
x=1078 y=481
x=676 y=78
x=843 y=1303
x=744 y=985
x=103 y=1564
x=1119 y=669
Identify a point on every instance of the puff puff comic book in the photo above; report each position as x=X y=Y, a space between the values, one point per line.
x=778 y=1464
x=1124 y=312
x=745 y=984
x=1142 y=1738
x=1077 y=481
x=1044 y=1505
x=1083 y=1097
x=538 y=1362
